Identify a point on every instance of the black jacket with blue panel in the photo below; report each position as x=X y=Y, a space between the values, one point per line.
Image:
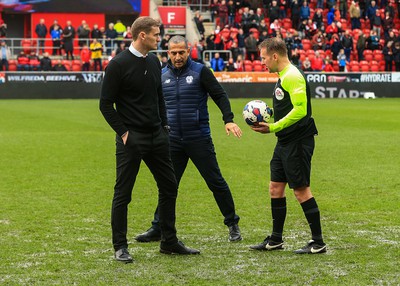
x=186 y=92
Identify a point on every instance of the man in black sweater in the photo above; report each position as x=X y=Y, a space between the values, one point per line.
x=132 y=82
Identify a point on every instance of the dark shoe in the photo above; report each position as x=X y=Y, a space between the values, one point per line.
x=177 y=248
x=123 y=255
x=150 y=235
x=234 y=233
x=312 y=248
x=268 y=244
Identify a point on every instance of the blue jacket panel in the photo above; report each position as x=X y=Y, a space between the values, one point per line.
x=186 y=101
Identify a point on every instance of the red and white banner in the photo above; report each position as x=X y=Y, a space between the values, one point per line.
x=173 y=17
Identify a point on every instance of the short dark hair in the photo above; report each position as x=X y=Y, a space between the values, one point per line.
x=274 y=45
x=143 y=24
x=178 y=39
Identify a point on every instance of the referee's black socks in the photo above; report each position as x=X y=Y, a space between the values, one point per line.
x=278 y=209
x=311 y=211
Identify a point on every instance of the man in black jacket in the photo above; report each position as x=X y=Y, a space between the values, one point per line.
x=186 y=86
x=132 y=82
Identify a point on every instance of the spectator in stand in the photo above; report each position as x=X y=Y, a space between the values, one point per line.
x=320 y=4
x=343 y=9
x=59 y=67
x=318 y=41
x=391 y=37
x=305 y=11
x=239 y=65
x=83 y=32
x=389 y=8
x=23 y=62
x=295 y=16
x=217 y=64
x=342 y=60
x=85 y=57
x=307 y=65
x=56 y=39
x=317 y=62
x=5 y=55
x=301 y=30
x=246 y=20
x=336 y=46
x=45 y=62
x=347 y=44
x=297 y=41
x=361 y=43
x=223 y=14
x=282 y=9
x=55 y=23
x=128 y=36
x=199 y=23
x=388 y=55
x=377 y=23
x=331 y=16
x=263 y=36
x=210 y=45
x=263 y=27
x=95 y=33
x=258 y=17
x=214 y=8
x=311 y=29
x=111 y=36
x=121 y=48
x=41 y=33
x=328 y=66
x=372 y=41
x=274 y=27
x=235 y=50
x=97 y=53
x=273 y=11
x=355 y=15
x=120 y=28
x=387 y=24
x=230 y=66
x=295 y=57
x=217 y=40
x=396 y=55
x=251 y=47
x=331 y=30
x=318 y=18
x=371 y=12
x=164 y=62
x=241 y=42
x=238 y=18
x=3 y=29
x=113 y=54
x=68 y=40
x=231 y=13
x=164 y=42
x=34 y=62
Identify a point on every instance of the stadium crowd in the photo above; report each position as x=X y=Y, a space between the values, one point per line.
x=341 y=35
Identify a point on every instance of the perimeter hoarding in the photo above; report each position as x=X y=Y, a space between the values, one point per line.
x=237 y=85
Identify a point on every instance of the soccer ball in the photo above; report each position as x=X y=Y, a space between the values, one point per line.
x=256 y=111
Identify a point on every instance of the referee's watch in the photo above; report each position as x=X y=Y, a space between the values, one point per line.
x=167 y=128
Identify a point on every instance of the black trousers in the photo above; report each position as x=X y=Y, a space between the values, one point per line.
x=153 y=149
x=203 y=156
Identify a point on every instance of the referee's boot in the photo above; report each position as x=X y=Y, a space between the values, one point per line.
x=268 y=244
x=122 y=255
x=152 y=234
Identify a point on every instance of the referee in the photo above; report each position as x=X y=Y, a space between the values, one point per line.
x=291 y=161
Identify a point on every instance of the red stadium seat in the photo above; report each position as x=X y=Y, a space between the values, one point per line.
x=364 y=68
x=375 y=68
x=258 y=68
x=248 y=68
x=306 y=44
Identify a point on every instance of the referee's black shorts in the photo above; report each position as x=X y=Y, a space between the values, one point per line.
x=291 y=163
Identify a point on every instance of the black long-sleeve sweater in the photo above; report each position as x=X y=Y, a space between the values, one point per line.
x=133 y=84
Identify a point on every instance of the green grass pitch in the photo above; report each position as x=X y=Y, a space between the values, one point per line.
x=57 y=171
